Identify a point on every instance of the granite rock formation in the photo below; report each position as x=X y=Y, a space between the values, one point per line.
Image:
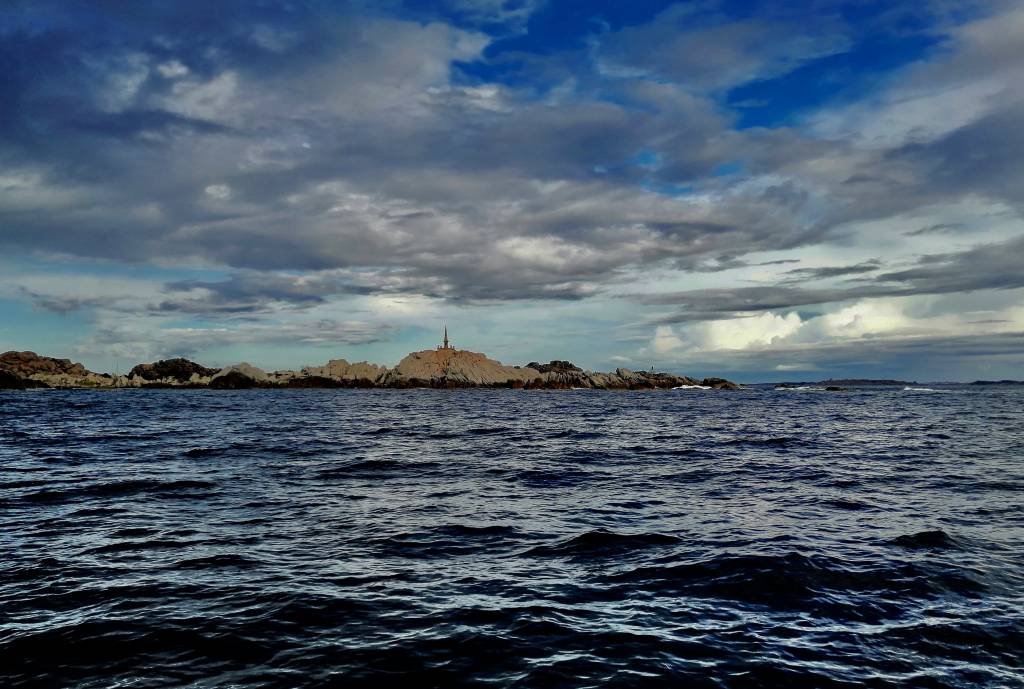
x=33 y=370
x=27 y=364
x=342 y=371
x=242 y=370
x=453 y=368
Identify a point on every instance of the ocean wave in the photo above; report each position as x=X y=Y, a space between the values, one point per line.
x=852 y=505
x=135 y=546
x=449 y=540
x=215 y=561
x=935 y=539
x=776 y=441
x=374 y=468
x=201 y=452
x=119 y=489
x=577 y=434
x=798 y=581
x=554 y=478
x=603 y=544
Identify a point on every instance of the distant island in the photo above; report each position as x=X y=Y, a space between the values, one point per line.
x=444 y=367
x=833 y=382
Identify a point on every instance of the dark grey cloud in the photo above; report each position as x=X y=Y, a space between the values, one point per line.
x=256 y=293
x=825 y=272
x=937 y=228
x=61 y=304
x=140 y=343
x=243 y=294
x=986 y=267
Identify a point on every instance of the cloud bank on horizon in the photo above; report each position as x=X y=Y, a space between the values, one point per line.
x=760 y=190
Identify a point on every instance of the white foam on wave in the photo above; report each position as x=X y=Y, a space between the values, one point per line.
x=692 y=387
x=803 y=387
x=910 y=389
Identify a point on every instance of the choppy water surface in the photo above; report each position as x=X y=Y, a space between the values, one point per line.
x=569 y=539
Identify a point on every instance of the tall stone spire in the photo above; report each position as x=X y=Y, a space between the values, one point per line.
x=446 y=346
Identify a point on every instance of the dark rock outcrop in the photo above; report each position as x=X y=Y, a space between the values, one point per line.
x=555 y=366
x=179 y=370
x=11 y=381
x=235 y=380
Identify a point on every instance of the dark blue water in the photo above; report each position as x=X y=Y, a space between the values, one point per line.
x=315 y=538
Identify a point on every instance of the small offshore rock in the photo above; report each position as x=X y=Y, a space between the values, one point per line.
x=719 y=384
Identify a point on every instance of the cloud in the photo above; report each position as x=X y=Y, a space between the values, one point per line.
x=930 y=358
x=972 y=76
x=508 y=16
x=865 y=318
x=889 y=338
x=665 y=340
x=897 y=319
x=824 y=272
x=61 y=303
x=925 y=358
x=983 y=267
x=140 y=343
x=796 y=366
x=252 y=293
x=696 y=46
x=937 y=228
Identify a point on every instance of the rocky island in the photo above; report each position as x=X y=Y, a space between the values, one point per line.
x=444 y=367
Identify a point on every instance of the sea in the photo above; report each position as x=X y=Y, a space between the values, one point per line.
x=445 y=538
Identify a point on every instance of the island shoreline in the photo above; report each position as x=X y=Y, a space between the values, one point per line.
x=445 y=368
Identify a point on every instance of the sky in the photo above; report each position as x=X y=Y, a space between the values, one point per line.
x=764 y=191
